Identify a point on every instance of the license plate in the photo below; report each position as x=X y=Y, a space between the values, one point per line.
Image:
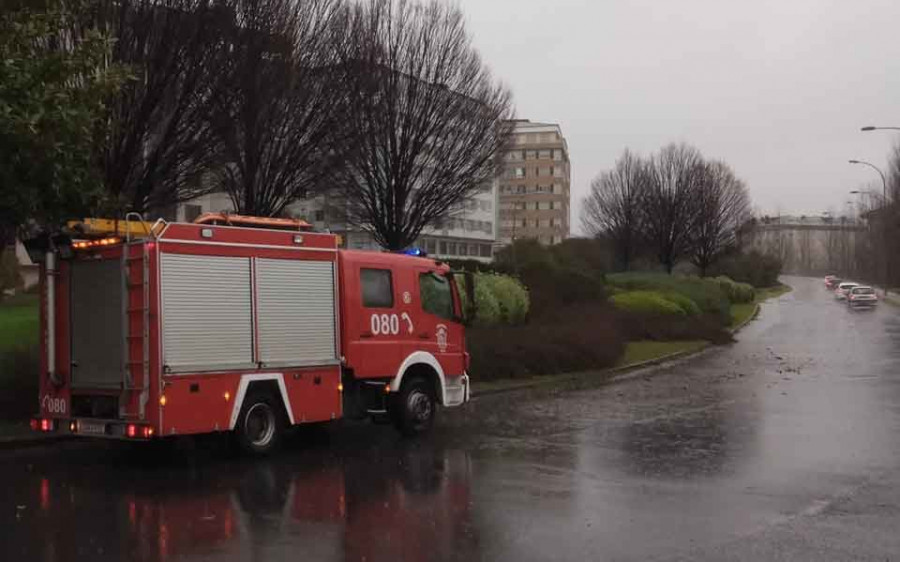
x=92 y=428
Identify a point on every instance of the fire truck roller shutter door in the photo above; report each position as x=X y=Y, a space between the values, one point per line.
x=206 y=313
x=296 y=310
x=425 y=358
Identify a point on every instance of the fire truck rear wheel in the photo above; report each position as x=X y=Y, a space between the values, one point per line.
x=260 y=424
x=413 y=409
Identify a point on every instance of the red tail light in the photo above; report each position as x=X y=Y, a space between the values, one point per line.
x=35 y=424
x=131 y=430
x=46 y=425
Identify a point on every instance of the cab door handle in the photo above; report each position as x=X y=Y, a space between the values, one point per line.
x=366 y=335
x=423 y=335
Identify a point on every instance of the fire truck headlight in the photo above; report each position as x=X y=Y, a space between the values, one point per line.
x=227 y=396
x=340 y=387
x=163 y=400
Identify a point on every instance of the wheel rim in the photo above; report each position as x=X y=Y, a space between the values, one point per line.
x=419 y=406
x=259 y=425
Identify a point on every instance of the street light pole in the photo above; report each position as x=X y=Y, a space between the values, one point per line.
x=884 y=247
x=880 y=173
x=873 y=128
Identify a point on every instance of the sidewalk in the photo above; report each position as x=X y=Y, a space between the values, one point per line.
x=19 y=434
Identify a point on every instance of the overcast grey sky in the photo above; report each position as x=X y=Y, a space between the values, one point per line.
x=776 y=88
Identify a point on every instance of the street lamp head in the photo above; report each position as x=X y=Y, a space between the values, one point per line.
x=855 y=192
x=868 y=128
x=854 y=161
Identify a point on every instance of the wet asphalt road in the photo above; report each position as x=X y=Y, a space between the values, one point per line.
x=782 y=446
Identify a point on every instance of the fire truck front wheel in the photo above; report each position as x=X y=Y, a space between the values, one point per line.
x=260 y=424
x=413 y=409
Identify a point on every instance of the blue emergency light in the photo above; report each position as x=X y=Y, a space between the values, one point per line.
x=419 y=252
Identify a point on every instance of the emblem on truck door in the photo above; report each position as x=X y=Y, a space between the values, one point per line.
x=441 y=334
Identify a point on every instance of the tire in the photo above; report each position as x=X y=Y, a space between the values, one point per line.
x=260 y=426
x=414 y=408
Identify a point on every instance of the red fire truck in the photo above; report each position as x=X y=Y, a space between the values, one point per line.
x=239 y=324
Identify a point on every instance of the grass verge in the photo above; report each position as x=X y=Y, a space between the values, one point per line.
x=18 y=322
x=647 y=350
x=742 y=312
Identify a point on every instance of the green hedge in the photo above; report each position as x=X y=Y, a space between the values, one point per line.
x=500 y=299
x=647 y=302
x=706 y=293
x=684 y=303
x=736 y=292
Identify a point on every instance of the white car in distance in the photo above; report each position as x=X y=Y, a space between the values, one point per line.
x=862 y=296
x=843 y=289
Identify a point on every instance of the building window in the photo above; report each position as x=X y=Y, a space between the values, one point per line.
x=520 y=172
x=377 y=289
x=451 y=248
x=435 y=295
x=443 y=248
x=485 y=250
x=520 y=189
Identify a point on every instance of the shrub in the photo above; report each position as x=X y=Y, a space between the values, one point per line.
x=500 y=299
x=647 y=302
x=672 y=327
x=706 y=293
x=574 y=339
x=556 y=276
x=687 y=305
x=511 y=296
x=488 y=309
x=18 y=382
x=737 y=292
x=753 y=267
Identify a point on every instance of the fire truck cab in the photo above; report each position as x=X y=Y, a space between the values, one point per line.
x=240 y=324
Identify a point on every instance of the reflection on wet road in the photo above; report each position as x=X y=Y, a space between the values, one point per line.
x=780 y=446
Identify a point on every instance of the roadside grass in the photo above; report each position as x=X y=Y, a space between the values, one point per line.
x=647 y=350
x=18 y=322
x=772 y=292
x=741 y=312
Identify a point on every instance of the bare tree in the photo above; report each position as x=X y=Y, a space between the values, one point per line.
x=159 y=143
x=431 y=121
x=613 y=207
x=671 y=200
x=722 y=206
x=277 y=121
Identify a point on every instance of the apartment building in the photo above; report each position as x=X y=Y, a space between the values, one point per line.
x=468 y=232
x=534 y=191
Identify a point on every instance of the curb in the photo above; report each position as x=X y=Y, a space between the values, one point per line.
x=615 y=374
x=746 y=321
x=7 y=443
x=618 y=374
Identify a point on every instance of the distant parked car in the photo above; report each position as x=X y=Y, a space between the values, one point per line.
x=843 y=289
x=828 y=279
x=862 y=296
x=831 y=282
